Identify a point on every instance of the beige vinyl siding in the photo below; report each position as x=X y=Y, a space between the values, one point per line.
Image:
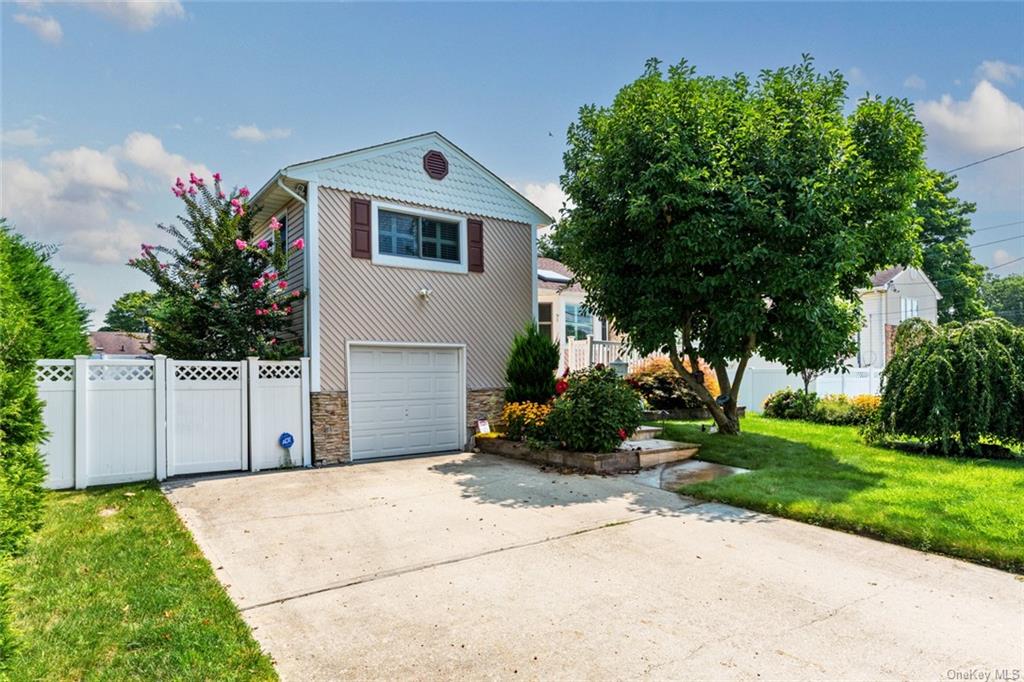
x=295 y=270
x=360 y=301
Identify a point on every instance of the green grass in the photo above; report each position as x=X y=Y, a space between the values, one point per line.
x=114 y=588
x=828 y=476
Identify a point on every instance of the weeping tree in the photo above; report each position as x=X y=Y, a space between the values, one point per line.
x=222 y=292
x=716 y=218
x=953 y=384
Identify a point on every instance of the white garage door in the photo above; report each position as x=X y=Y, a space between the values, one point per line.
x=404 y=400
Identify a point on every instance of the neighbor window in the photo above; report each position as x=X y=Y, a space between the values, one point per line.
x=908 y=308
x=579 y=323
x=544 y=319
x=413 y=236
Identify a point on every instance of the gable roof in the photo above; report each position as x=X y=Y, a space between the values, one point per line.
x=393 y=170
x=883 y=277
x=119 y=343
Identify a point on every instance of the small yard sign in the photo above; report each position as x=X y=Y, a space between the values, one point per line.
x=286 y=440
x=483 y=426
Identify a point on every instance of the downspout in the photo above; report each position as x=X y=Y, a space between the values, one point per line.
x=310 y=276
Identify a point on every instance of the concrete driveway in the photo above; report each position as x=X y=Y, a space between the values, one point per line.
x=472 y=566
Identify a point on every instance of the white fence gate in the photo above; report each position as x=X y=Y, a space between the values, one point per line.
x=115 y=421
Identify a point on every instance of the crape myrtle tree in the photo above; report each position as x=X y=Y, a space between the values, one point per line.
x=716 y=218
x=222 y=292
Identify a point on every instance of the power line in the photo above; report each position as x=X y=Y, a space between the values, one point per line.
x=996 y=227
x=975 y=163
x=997 y=241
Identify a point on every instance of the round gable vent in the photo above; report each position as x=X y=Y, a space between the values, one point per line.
x=435 y=164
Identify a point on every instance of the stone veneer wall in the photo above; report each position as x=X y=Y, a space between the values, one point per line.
x=484 y=403
x=330 y=427
x=330 y=421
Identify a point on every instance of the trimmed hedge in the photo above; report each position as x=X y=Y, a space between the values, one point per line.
x=838 y=410
x=40 y=316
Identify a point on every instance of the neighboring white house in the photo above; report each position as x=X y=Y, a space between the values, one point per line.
x=560 y=310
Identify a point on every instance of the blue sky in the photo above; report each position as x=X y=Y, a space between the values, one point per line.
x=103 y=104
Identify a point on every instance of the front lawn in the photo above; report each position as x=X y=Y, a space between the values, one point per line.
x=114 y=588
x=828 y=476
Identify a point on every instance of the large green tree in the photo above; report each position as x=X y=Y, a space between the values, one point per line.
x=131 y=312
x=946 y=257
x=722 y=217
x=1005 y=297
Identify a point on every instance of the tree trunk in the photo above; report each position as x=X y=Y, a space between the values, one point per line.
x=726 y=418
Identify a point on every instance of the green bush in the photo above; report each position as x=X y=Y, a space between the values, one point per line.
x=841 y=410
x=530 y=371
x=596 y=411
x=954 y=384
x=662 y=387
x=790 y=404
x=40 y=316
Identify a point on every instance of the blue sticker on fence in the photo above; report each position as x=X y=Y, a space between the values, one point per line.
x=286 y=440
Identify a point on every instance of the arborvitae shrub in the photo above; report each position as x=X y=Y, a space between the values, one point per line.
x=530 y=372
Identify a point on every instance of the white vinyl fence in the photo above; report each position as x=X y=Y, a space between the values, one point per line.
x=759 y=382
x=115 y=421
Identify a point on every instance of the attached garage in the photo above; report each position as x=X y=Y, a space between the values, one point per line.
x=405 y=399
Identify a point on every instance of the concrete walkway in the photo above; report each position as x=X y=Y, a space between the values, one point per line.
x=473 y=566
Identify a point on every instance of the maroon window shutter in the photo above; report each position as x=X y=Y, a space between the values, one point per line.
x=475 y=228
x=360 y=228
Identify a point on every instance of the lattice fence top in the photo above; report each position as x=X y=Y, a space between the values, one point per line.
x=52 y=374
x=206 y=372
x=280 y=370
x=121 y=373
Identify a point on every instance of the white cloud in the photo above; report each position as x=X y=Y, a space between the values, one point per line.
x=137 y=15
x=1002 y=257
x=856 y=76
x=24 y=137
x=987 y=122
x=548 y=196
x=147 y=151
x=914 y=82
x=999 y=71
x=84 y=199
x=47 y=28
x=252 y=133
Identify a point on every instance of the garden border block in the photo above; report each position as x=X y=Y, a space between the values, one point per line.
x=637 y=457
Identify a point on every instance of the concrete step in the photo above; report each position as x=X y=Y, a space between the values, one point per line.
x=646 y=433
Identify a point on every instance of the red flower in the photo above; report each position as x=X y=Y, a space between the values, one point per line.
x=560 y=386
x=622 y=434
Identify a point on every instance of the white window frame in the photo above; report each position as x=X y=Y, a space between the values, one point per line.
x=908 y=309
x=378 y=258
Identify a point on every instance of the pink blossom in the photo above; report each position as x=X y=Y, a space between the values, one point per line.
x=195 y=286
x=192 y=191
x=216 y=177
x=192 y=178
x=271 y=276
x=258 y=284
x=220 y=195
x=244 y=192
x=177 y=191
x=146 y=248
x=259 y=311
x=296 y=293
x=275 y=224
x=288 y=309
x=163 y=266
x=179 y=184
x=282 y=284
x=263 y=244
x=240 y=244
x=273 y=342
x=131 y=261
x=273 y=306
x=266 y=276
x=299 y=243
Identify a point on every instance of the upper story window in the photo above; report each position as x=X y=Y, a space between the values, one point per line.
x=908 y=308
x=414 y=238
x=579 y=323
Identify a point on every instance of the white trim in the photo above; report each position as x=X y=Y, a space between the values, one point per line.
x=311 y=233
x=533 y=269
x=461 y=347
x=379 y=258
